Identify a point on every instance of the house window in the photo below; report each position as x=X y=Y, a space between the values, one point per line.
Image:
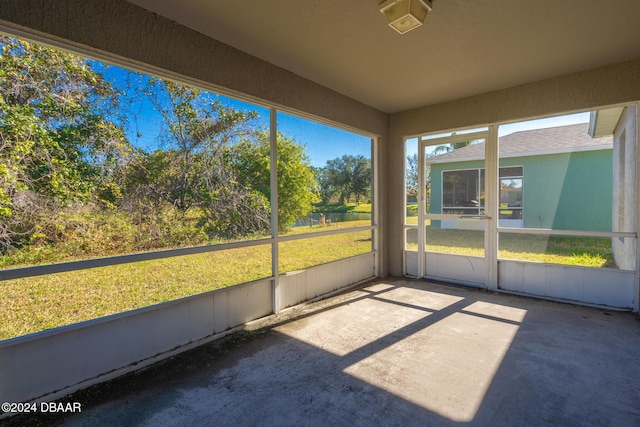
x=511 y=193
x=463 y=192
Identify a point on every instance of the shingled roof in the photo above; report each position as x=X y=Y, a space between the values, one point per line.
x=560 y=139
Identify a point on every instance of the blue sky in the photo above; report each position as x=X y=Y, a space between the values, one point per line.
x=145 y=124
x=569 y=119
x=322 y=142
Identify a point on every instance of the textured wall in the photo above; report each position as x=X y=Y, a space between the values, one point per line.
x=613 y=84
x=625 y=166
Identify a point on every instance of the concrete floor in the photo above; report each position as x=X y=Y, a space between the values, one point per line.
x=398 y=352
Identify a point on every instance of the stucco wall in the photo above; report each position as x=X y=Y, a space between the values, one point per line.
x=613 y=84
x=625 y=158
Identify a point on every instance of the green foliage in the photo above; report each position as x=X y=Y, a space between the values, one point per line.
x=297 y=187
x=412 y=210
x=342 y=208
x=447 y=148
x=333 y=207
x=92 y=231
x=194 y=170
x=345 y=176
x=198 y=131
x=72 y=186
x=56 y=139
x=411 y=175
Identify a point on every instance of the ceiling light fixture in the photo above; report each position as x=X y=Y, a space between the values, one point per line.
x=405 y=15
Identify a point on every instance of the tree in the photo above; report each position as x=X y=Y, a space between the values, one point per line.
x=64 y=150
x=447 y=148
x=345 y=176
x=57 y=143
x=361 y=178
x=411 y=183
x=327 y=189
x=196 y=131
x=194 y=169
x=297 y=185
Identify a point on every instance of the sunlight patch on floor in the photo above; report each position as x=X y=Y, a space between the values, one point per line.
x=345 y=329
x=447 y=367
x=432 y=301
x=496 y=310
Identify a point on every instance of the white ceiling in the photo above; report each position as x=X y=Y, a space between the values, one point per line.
x=464 y=48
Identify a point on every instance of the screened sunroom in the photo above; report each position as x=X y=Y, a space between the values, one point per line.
x=493 y=147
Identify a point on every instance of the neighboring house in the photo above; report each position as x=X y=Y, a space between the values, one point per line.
x=554 y=178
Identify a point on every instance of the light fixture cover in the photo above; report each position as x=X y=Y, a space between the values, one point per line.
x=405 y=15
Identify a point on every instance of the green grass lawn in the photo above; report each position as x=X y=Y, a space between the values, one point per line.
x=567 y=250
x=412 y=210
x=38 y=303
x=362 y=208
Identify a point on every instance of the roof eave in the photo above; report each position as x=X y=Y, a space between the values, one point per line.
x=603 y=122
x=528 y=154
